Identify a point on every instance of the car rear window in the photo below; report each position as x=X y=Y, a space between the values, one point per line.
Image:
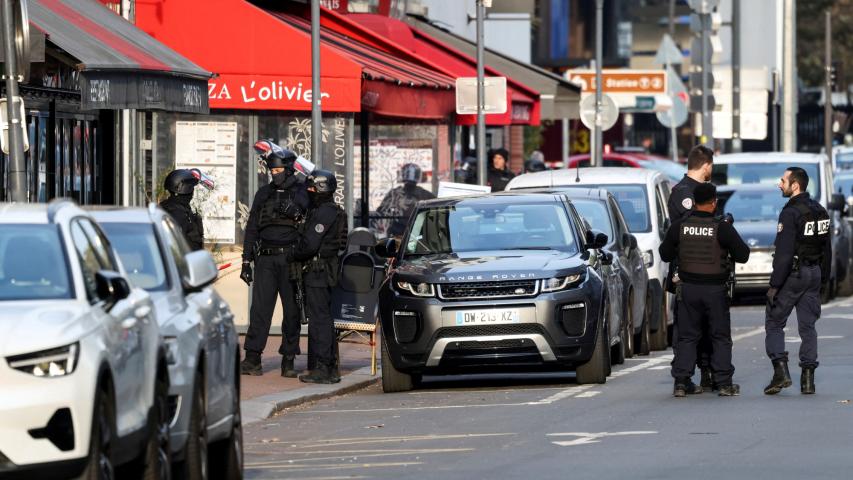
x=634 y=203
x=764 y=173
x=139 y=251
x=33 y=264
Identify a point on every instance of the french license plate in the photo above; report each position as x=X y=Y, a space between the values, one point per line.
x=758 y=263
x=487 y=317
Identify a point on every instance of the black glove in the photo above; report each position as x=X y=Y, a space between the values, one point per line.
x=292 y=211
x=246 y=273
x=728 y=218
x=771 y=295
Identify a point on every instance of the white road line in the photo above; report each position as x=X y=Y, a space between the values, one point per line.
x=585 y=438
x=589 y=394
x=367 y=440
x=288 y=462
x=751 y=333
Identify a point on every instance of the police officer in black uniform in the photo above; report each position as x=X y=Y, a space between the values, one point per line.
x=499 y=174
x=400 y=202
x=324 y=236
x=181 y=186
x=700 y=162
x=703 y=245
x=801 y=264
x=271 y=232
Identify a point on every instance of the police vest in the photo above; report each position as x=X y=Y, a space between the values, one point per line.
x=278 y=209
x=812 y=231
x=699 y=251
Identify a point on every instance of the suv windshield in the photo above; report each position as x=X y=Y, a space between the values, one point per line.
x=766 y=173
x=471 y=226
x=594 y=212
x=844 y=161
x=33 y=265
x=139 y=252
x=755 y=205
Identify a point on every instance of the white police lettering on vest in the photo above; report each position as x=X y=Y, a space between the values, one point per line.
x=822 y=228
x=698 y=231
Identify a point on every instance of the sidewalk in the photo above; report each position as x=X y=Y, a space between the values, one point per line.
x=264 y=396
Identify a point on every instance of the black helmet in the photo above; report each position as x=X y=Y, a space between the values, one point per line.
x=410 y=173
x=323 y=181
x=534 y=165
x=180 y=182
x=274 y=155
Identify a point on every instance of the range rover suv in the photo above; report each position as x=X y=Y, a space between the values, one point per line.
x=506 y=280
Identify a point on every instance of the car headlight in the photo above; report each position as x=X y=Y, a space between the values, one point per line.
x=418 y=290
x=560 y=283
x=648 y=258
x=172 y=354
x=55 y=362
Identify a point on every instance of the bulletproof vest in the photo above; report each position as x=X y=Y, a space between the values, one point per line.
x=812 y=231
x=277 y=210
x=332 y=241
x=189 y=221
x=699 y=251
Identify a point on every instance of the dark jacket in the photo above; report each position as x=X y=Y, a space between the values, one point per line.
x=681 y=201
x=274 y=236
x=786 y=242
x=399 y=203
x=727 y=237
x=498 y=179
x=191 y=224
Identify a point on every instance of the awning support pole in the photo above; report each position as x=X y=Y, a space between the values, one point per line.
x=17 y=162
x=316 y=113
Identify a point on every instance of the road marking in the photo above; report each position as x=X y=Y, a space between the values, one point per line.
x=839 y=316
x=356 y=456
x=819 y=337
x=585 y=438
x=589 y=394
x=367 y=440
x=846 y=302
x=751 y=333
x=660 y=367
x=334 y=466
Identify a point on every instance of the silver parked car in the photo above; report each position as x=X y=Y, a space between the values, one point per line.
x=197 y=324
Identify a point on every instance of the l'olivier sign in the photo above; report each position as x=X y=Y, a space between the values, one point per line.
x=263 y=92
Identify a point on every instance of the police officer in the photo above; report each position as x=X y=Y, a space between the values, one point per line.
x=324 y=236
x=800 y=265
x=271 y=232
x=400 y=202
x=499 y=173
x=536 y=162
x=703 y=244
x=181 y=186
x=700 y=162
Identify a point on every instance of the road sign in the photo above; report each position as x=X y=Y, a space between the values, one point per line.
x=668 y=52
x=645 y=103
x=609 y=111
x=644 y=82
x=703 y=6
x=675 y=116
x=4 y=125
x=466 y=95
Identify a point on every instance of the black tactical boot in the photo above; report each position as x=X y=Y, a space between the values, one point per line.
x=684 y=386
x=732 y=390
x=807 y=381
x=251 y=364
x=781 y=378
x=287 y=368
x=321 y=374
x=707 y=379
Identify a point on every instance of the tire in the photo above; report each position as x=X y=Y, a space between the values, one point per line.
x=99 y=465
x=194 y=466
x=643 y=339
x=595 y=370
x=158 y=450
x=659 y=338
x=628 y=327
x=393 y=380
x=226 y=456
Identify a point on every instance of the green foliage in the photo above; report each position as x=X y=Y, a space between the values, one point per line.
x=810 y=39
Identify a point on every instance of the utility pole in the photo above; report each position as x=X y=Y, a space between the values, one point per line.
x=17 y=162
x=737 y=144
x=672 y=19
x=482 y=168
x=316 y=113
x=599 y=36
x=827 y=104
x=789 y=77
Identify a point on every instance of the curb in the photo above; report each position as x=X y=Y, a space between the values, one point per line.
x=258 y=409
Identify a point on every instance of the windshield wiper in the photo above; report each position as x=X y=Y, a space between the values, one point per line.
x=527 y=248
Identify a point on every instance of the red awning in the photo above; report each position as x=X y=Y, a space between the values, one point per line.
x=264 y=61
x=522 y=101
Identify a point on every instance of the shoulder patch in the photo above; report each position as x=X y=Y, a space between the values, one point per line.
x=687 y=203
x=779 y=227
x=320 y=228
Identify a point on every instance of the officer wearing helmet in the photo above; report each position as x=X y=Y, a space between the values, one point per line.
x=400 y=202
x=324 y=237
x=181 y=186
x=271 y=232
x=536 y=162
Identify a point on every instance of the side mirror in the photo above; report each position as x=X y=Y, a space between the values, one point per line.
x=600 y=240
x=201 y=270
x=607 y=258
x=629 y=240
x=836 y=202
x=386 y=248
x=111 y=288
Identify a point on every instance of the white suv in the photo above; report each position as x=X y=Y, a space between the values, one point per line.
x=82 y=366
x=642 y=195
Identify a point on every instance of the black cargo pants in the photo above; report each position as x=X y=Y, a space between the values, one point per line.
x=321 y=325
x=703 y=306
x=801 y=291
x=272 y=279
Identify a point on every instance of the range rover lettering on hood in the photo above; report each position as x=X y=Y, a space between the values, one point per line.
x=494 y=276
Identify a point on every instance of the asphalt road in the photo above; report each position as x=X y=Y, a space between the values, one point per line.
x=546 y=426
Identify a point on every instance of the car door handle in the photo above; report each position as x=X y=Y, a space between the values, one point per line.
x=142 y=312
x=128 y=323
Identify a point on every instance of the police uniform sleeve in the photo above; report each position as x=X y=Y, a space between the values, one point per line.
x=669 y=247
x=783 y=258
x=319 y=225
x=251 y=235
x=680 y=203
x=732 y=241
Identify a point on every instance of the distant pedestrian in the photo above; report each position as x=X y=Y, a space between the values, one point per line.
x=499 y=173
x=536 y=163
